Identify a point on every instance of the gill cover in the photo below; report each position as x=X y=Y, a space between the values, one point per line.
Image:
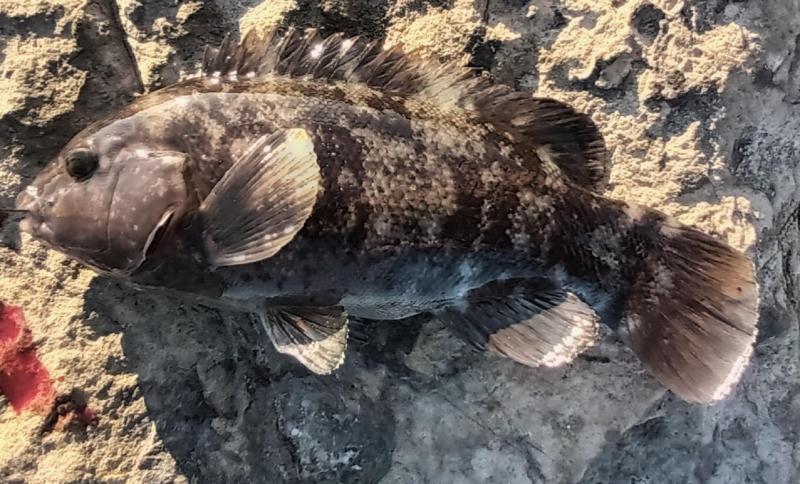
x=149 y=190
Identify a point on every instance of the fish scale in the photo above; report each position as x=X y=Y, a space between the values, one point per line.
x=383 y=157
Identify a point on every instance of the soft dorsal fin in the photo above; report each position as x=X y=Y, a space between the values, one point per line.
x=569 y=139
x=549 y=128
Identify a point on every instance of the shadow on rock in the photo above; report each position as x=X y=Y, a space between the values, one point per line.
x=353 y=17
x=222 y=413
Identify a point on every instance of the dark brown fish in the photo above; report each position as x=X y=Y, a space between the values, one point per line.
x=306 y=179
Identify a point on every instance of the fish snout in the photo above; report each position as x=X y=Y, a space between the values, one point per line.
x=28 y=202
x=27 y=199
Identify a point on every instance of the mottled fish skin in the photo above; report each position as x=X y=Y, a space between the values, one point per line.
x=406 y=186
x=437 y=192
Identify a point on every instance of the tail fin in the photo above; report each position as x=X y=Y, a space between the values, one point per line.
x=691 y=313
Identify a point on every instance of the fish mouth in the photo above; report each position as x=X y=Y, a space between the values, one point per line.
x=33 y=225
x=27 y=202
x=32 y=222
x=35 y=209
x=30 y=225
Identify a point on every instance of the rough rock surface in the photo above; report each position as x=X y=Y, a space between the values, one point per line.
x=698 y=101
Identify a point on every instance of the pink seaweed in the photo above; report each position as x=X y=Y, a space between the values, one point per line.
x=24 y=380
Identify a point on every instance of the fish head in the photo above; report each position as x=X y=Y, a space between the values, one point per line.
x=107 y=198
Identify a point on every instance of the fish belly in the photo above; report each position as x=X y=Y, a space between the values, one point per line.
x=373 y=286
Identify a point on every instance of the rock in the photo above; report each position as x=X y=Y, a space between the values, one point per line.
x=697 y=101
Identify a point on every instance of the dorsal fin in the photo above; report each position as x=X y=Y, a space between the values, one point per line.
x=549 y=128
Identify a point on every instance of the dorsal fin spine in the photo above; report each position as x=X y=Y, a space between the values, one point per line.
x=542 y=127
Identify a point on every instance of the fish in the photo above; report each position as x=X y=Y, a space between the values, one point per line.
x=316 y=180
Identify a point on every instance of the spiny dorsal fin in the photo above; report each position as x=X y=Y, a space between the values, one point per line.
x=547 y=127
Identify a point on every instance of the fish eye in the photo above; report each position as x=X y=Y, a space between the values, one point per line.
x=81 y=164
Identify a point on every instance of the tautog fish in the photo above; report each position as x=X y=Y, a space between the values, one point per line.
x=309 y=179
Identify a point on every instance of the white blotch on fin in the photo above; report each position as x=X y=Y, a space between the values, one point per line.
x=316 y=51
x=308 y=353
x=729 y=383
x=579 y=339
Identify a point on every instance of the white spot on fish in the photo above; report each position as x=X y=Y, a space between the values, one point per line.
x=466 y=272
x=635 y=212
x=671 y=227
x=520 y=240
x=316 y=51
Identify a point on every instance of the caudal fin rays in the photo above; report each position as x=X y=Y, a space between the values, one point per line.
x=691 y=314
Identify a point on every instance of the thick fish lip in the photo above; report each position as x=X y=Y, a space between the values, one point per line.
x=33 y=225
x=26 y=225
x=27 y=201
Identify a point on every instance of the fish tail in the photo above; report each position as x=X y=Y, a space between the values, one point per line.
x=690 y=310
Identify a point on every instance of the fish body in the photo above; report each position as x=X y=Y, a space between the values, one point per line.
x=418 y=210
x=310 y=179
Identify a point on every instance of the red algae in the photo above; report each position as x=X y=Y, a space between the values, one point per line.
x=24 y=380
x=10 y=324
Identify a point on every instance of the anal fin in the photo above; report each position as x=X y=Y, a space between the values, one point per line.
x=530 y=321
x=316 y=337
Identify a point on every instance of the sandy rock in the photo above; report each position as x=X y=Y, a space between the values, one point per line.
x=698 y=104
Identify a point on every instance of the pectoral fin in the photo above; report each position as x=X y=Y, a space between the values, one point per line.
x=263 y=200
x=316 y=337
x=528 y=320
